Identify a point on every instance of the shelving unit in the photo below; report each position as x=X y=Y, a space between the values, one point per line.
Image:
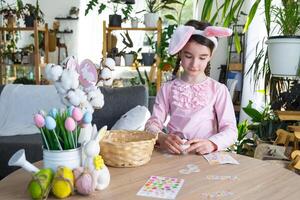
x=37 y=64
x=236 y=63
x=107 y=43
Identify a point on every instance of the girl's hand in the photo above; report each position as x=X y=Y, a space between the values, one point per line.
x=170 y=142
x=201 y=146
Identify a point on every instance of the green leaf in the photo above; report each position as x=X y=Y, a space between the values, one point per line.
x=171 y=17
x=91 y=4
x=251 y=15
x=101 y=8
x=268 y=15
x=255 y=115
x=230 y=17
x=237 y=42
x=226 y=5
x=206 y=11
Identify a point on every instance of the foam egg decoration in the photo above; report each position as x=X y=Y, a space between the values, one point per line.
x=77 y=114
x=50 y=123
x=63 y=182
x=70 y=110
x=39 y=120
x=70 y=124
x=87 y=118
x=83 y=181
x=53 y=112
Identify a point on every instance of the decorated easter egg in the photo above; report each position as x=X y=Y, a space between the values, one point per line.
x=70 y=124
x=70 y=110
x=77 y=114
x=53 y=112
x=50 y=123
x=83 y=181
x=87 y=118
x=40 y=183
x=39 y=120
x=63 y=182
x=87 y=73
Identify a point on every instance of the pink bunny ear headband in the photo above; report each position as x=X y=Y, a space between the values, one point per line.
x=183 y=33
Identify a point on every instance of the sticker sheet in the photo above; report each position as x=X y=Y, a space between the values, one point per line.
x=220 y=158
x=161 y=187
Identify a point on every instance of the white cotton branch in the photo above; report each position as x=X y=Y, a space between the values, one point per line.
x=106 y=73
x=69 y=79
x=60 y=89
x=73 y=98
x=96 y=98
x=109 y=62
x=86 y=106
x=53 y=72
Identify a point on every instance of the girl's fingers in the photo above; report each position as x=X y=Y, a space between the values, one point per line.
x=172 y=147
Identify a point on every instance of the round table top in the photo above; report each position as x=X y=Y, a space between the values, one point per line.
x=252 y=179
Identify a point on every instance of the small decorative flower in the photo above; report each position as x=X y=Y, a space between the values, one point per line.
x=70 y=124
x=39 y=120
x=77 y=114
x=50 y=123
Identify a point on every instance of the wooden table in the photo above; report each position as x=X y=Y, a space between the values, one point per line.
x=256 y=180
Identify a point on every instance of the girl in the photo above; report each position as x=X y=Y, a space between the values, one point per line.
x=200 y=108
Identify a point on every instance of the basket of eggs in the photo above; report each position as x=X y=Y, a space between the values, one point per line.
x=121 y=148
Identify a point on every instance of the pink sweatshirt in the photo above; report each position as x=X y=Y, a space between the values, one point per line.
x=201 y=110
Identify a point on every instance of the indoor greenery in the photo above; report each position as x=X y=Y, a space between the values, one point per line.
x=154 y=6
x=264 y=123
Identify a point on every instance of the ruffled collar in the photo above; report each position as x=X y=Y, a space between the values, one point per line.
x=190 y=95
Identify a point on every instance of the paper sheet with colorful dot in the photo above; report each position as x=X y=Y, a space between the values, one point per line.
x=161 y=187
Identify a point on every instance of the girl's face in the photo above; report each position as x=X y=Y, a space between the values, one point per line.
x=194 y=58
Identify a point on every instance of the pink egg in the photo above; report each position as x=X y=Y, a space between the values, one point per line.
x=77 y=114
x=39 y=120
x=70 y=124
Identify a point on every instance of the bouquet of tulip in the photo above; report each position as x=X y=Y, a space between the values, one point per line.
x=60 y=129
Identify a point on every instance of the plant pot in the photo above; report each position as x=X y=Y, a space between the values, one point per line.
x=52 y=41
x=68 y=158
x=284 y=55
x=115 y=20
x=134 y=23
x=29 y=21
x=148 y=58
x=150 y=19
x=118 y=60
x=129 y=58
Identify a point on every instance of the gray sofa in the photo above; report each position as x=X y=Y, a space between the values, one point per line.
x=117 y=102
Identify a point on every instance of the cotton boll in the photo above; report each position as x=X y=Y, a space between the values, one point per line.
x=87 y=107
x=108 y=82
x=69 y=79
x=106 y=73
x=96 y=99
x=53 y=72
x=73 y=98
x=91 y=88
x=65 y=100
x=109 y=62
x=47 y=71
x=60 y=88
x=81 y=95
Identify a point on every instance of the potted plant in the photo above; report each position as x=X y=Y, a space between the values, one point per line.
x=148 y=57
x=115 y=19
x=288 y=100
x=32 y=13
x=284 y=49
x=153 y=7
x=264 y=123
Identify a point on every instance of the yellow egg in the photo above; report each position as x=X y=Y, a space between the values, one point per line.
x=63 y=182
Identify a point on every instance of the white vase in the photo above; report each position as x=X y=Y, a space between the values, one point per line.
x=284 y=55
x=134 y=23
x=150 y=19
x=67 y=158
x=118 y=60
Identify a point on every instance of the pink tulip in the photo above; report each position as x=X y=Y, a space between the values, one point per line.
x=70 y=124
x=39 y=120
x=77 y=114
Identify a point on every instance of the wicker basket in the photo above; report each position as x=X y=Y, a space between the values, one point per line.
x=120 y=148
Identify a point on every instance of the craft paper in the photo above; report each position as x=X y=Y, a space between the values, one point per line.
x=161 y=187
x=220 y=158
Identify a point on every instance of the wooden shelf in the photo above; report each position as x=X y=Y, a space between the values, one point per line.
x=131 y=29
x=22 y=29
x=65 y=32
x=66 y=18
x=235 y=67
x=288 y=115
